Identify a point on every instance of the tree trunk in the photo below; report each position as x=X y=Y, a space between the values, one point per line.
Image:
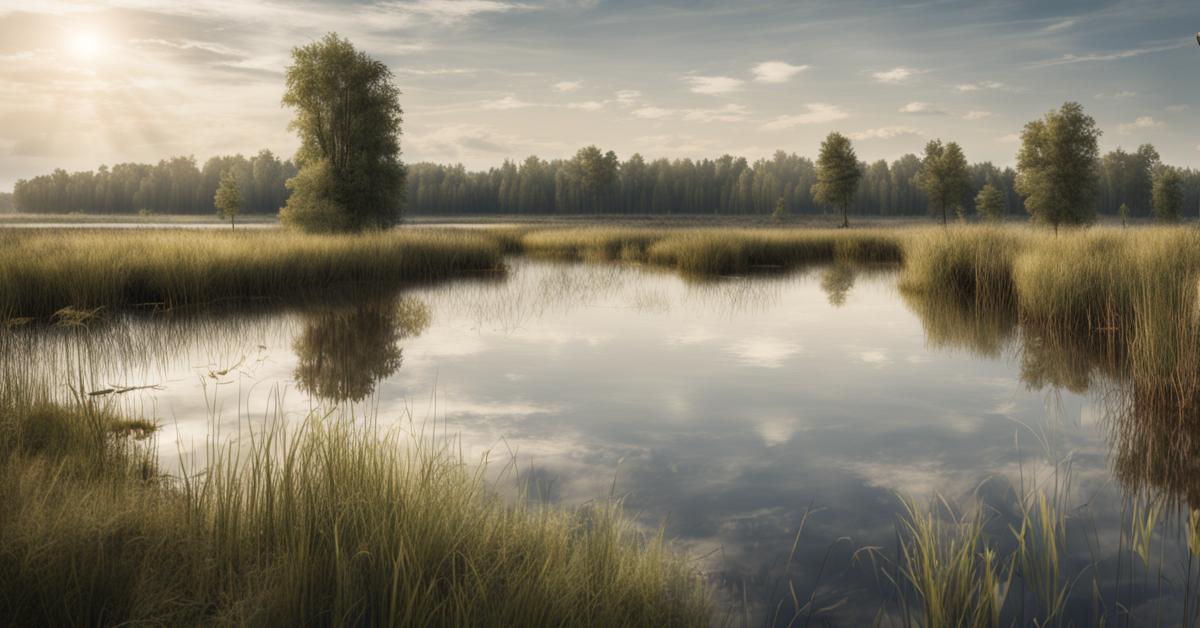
x=845 y=217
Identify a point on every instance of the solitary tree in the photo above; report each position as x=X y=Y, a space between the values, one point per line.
x=1123 y=212
x=782 y=211
x=228 y=199
x=989 y=203
x=943 y=175
x=1168 y=194
x=1056 y=167
x=597 y=174
x=348 y=118
x=837 y=174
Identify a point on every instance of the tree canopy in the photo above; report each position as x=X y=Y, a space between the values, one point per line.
x=837 y=174
x=1057 y=166
x=348 y=118
x=989 y=203
x=944 y=176
x=1168 y=194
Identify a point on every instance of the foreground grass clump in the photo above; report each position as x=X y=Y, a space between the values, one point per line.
x=708 y=251
x=330 y=524
x=44 y=271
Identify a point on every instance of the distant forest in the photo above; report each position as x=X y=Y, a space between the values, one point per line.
x=592 y=182
x=172 y=186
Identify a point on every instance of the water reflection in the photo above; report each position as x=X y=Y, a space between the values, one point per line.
x=343 y=352
x=836 y=281
x=726 y=408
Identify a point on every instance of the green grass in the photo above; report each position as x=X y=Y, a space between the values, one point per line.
x=332 y=523
x=45 y=271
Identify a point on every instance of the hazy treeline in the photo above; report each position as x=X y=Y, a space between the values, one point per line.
x=733 y=185
x=726 y=185
x=176 y=185
x=592 y=182
x=6 y=203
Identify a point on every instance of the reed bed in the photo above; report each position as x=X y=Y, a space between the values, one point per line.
x=709 y=251
x=333 y=523
x=47 y=271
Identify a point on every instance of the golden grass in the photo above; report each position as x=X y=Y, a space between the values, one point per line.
x=45 y=271
x=335 y=523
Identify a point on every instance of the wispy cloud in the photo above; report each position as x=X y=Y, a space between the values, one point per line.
x=508 y=102
x=726 y=113
x=1114 y=55
x=567 y=86
x=1060 y=25
x=1142 y=122
x=895 y=75
x=653 y=113
x=817 y=113
x=979 y=85
x=976 y=114
x=884 y=133
x=713 y=84
x=1011 y=138
x=776 y=71
x=590 y=105
x=1178 y=108
x=922 y=108
x=628 y=97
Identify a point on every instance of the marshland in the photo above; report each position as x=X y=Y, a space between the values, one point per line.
x=858 y=379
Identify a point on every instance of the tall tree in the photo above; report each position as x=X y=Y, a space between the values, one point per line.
x=1167 y=194
x=228 y=198
x=1056 y=166
x=837 y=174
x=348 y=118
x=943 y=175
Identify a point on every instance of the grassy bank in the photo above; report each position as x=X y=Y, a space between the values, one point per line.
x=333 y=523
x=43 y=271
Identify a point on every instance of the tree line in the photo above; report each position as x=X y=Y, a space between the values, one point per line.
x=589 y=183
x=175 y=186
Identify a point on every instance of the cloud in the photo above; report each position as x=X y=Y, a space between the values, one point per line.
x=776 y=71
x=458 y=141
x=728 y=113
x=1142 y=122
x=979 y=85
x=653 y=113
x=897 y=74
x=1121 y=95
x=628 y=97
x=508 y=102
x=590 y=105
x=453 y=10
x=567 y=86
x=1108 y=56
x=884 y=133
x=1011 y=138
x=713 y=84
x=817 y=113
x=1060 y=25
x=922 y=108
x=1177 y=108
x=976 y=114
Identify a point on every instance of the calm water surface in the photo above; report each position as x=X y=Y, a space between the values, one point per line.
x=727 y=409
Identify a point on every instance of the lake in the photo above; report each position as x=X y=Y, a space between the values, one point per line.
x=730 y=411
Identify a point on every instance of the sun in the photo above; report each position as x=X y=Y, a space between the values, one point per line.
x=86 y=44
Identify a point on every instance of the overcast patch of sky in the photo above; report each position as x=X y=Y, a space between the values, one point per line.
x=486 y=80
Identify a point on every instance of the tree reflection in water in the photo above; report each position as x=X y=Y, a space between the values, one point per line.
x=343 y=352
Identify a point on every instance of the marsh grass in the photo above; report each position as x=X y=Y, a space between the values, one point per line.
x=335 y=522
x=707 y=251
x=69 y=273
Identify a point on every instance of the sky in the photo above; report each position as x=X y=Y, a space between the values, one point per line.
x=107 y=81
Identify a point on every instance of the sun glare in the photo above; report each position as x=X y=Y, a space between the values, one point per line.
x=86 y=45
